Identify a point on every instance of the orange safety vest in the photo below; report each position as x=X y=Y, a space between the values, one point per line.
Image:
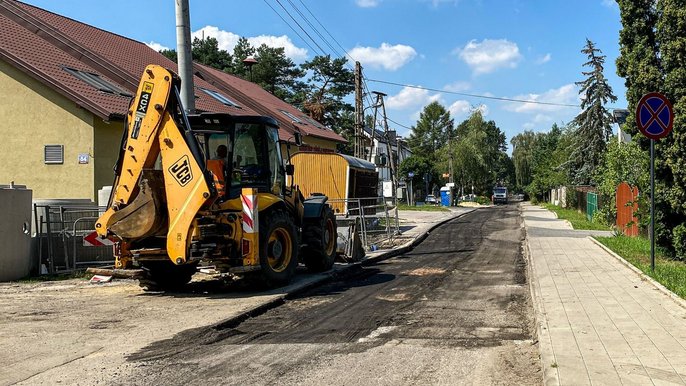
x=216 y=166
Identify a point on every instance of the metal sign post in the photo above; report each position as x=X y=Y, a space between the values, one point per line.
x=654 y=117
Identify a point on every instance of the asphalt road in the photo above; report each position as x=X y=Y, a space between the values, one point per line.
x=455 y=310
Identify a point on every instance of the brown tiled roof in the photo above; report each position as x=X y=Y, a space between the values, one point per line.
x=42 y=43
x=267 y=104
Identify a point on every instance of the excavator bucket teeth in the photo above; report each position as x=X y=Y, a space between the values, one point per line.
x=145 y=216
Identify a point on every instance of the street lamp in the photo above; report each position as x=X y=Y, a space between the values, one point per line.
x=249 y=62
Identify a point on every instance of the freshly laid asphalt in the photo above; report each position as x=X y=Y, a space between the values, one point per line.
x=599 y=320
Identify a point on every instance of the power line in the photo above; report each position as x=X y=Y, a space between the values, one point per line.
x=290 y=26
x=401 y=125
x=301 y=27
x=327 y=31
x=476 y=96
x=313 y=28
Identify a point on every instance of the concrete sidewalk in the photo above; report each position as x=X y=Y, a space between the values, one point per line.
x=598 y=321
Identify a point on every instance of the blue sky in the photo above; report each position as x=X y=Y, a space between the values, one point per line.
x=507 y=48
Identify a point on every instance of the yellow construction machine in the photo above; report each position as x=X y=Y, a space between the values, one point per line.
x=174 y=206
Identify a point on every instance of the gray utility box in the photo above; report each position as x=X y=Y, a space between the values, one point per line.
x=15 y=232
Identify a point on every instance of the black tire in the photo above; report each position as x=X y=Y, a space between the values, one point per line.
x=165 y=275
x=278 y=248
x=319 y=241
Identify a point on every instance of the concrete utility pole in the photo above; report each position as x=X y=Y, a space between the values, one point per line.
x=359 y=114
x=393 y=170
x=185 y=57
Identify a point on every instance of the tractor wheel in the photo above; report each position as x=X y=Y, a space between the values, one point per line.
x=278 y=248
x=319 y=241
x=165 y=275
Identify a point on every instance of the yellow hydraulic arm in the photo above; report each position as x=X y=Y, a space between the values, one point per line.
x=146 y=202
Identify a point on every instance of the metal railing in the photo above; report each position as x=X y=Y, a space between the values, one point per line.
x=59 y=232
x=377 y=219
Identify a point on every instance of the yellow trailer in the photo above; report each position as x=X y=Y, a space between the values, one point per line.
x=340 y=177
x=349 y=183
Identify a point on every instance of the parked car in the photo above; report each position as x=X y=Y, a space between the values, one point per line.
x=431 y=200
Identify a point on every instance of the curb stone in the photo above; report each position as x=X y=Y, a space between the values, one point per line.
x=327 y=277
x=678 y=300
x=549 y=375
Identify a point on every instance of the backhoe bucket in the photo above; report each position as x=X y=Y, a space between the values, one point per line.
x=147 y=215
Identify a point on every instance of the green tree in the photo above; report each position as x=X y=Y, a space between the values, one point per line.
x=328 y=84
x=594 y=123
x=522 y=157
x=623 y=162
x=423 y=171
x=275 y=72
x=550 y=161
x=241 y=51
x=638 y=62
x=671 y=40
x=170 y=54
x=432 y=131
x=207 y=52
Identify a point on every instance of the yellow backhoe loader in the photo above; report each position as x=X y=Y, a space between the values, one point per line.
x=174 y=206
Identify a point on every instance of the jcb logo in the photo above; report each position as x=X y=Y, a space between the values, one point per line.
x=181 y=171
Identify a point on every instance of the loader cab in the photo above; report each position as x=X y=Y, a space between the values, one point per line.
x=252 y=156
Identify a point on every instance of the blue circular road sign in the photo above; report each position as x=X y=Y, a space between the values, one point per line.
x=654 y=115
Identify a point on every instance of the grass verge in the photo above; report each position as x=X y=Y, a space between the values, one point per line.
x=636 y=250
x=424 y=208
x=578 y=220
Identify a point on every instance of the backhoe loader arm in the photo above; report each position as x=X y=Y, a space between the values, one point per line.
x=146 y=202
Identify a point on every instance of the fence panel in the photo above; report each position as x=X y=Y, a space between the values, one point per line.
x=591 y=205
x=60 y=230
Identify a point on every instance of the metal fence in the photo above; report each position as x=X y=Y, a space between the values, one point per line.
x=59 y=232
x=376 y=219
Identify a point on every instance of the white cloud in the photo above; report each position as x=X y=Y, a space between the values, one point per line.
x=459 y=108
x=410 y=97
x=543 y=59
x=567 y=94
x=387 y=56
x=457 y=86
x=489 y=55
x=367 y=3
x=156 y=46
x=227 y=40
x=609 y=3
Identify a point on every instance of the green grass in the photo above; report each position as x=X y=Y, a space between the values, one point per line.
x=636 y=250
x=424 y=208
x=578 y=220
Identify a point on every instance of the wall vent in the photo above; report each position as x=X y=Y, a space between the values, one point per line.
x=54 y=154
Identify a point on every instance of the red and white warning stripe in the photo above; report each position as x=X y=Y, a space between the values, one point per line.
x=93 y=240
x=249 y=213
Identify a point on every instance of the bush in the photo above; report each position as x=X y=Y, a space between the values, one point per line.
x=571 y=199
x=679 y=240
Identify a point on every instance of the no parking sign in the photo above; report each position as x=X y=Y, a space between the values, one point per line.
x=654 y=116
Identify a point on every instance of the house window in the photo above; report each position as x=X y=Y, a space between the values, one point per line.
x=54 y=154
x=293 y=118
x=221 y=98
x=98 y=82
